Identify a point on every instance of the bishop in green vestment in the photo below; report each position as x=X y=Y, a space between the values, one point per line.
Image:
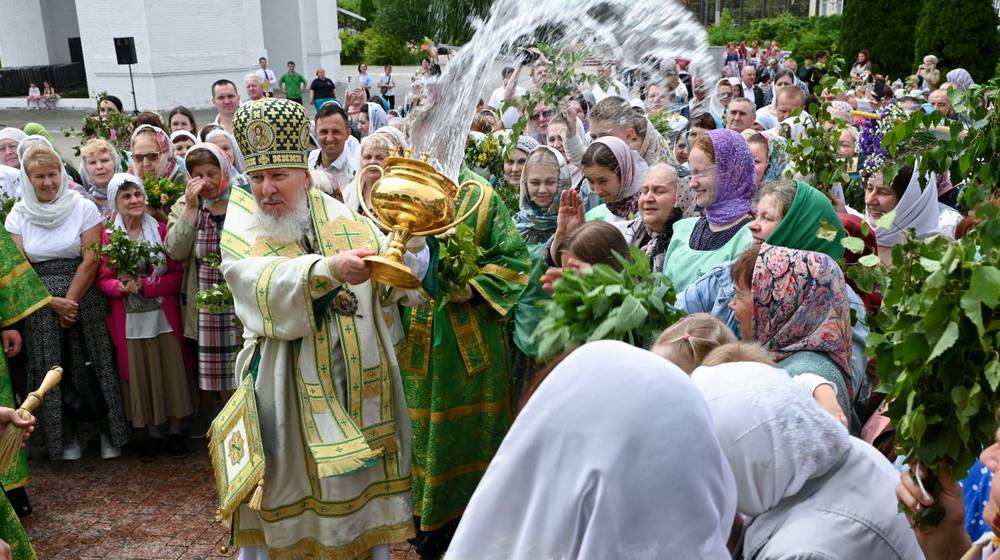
x=21 y=294
x=456 y=366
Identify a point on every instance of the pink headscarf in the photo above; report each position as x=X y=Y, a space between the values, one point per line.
x=167 y=164
x=627 y=201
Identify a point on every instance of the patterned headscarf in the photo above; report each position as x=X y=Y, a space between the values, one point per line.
x=627 y=202
x=150 y=227
x=800 y=305
x=735 y=180
x=960 y=78
x=536 y=224
x=166 y=166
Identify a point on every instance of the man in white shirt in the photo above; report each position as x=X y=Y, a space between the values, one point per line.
x=254 y=86
x=269 y=81
x=511 y=115
x=226 y=100
x=335 y=155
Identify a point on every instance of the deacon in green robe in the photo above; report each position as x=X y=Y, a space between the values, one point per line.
x=21 y=294
x=456 y=372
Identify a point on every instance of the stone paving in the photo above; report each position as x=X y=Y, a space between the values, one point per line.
x=127 y=509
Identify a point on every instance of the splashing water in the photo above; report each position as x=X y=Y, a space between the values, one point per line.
x=632 y=32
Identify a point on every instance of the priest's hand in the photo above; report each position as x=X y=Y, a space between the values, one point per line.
x=349 y=267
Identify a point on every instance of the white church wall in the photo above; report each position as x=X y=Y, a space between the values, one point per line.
x=323 y=38
x=182 y=47
x=22 y=34
x=282 y=35
x=60 y=24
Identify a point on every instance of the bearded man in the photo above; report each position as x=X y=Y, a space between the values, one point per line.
x=318 y=363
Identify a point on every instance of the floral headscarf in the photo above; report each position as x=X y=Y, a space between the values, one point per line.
x=535 y=224
x=167 y=165
x=800 y=305
x=735 y=180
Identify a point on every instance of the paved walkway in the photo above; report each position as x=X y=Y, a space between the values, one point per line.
x=127 y=509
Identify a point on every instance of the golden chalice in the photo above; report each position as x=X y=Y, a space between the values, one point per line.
x=409 y=198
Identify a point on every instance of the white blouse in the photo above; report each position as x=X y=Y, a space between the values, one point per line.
x=62 y=242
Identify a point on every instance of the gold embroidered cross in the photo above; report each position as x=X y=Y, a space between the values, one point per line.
x=347 y=234
x=272 y=250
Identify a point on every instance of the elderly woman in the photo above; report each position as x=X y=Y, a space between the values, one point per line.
x=797 y=470
x=152 y=155
x=795 y=304
x=100 y=163
x=194 y=232
x=375 y=148
x=789 y=214
x=658 y=212
x=722 y=177
x=231 y=148
x=145 y=325
x=10 y=137
x=56 y=229
x=929 y=74
x=916 y=207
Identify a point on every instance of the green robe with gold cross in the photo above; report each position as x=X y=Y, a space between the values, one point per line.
x=456 y=365
x=21 y=294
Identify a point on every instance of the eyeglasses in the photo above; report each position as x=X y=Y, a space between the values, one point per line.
x=151 y=157
x=547 y=114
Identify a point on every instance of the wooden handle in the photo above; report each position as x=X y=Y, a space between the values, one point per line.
x=34 y=400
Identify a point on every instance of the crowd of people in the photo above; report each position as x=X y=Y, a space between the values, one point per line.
x=369 y=414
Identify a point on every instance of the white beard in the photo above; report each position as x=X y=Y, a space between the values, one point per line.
x=289 y=228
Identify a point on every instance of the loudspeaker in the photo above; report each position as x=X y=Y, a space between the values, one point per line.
x=125 y=49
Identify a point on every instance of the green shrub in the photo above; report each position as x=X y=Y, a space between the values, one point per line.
x=800 y=35
x=382 y=48
x=886 y=30
x=962 y=33
x=352 y=48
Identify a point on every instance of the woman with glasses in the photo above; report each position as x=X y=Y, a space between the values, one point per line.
x=539 y=120
x=152 y=156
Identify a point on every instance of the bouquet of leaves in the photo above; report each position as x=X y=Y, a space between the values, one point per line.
x=604 y=304
x=485 y=156
x=162 y=193
x=128 y=257
x=459 y=262
x=115 y=128
x=664 y=122
x=6 y=204
x=217 y=298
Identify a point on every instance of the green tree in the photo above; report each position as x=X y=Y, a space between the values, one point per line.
x=962 y=33
x=884 y=28
x=407 y=20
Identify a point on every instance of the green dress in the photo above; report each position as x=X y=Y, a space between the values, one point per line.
x=21 y=294
x=456 y=368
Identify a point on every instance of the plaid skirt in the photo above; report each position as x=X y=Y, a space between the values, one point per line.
x=219 y=339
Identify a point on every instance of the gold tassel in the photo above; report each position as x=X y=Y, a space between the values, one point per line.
x=257 y=500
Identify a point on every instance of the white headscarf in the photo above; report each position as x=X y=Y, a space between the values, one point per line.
x=397 y=138
x=917 y=210
x=239 y=163
x=88 y=181
x=52 y=214
x=774 y=435
x=150 y=227
x=377 y=117
x=229 y=173
x=11 y=133
x=602 y=463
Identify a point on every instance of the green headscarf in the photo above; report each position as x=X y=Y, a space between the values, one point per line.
x=800 y=228
x=39 y=130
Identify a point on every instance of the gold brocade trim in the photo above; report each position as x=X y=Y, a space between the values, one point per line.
x=447 y=519
x=380 y=489
x=263 y=295
x=235 y=244
x=438 y=479
x=507 y=274
x=500 y=309
x=27 y=312
x=359 y=549
x=14 y=274
x=20 y=483
x=243 y=200
x=416 y=354
x=470 y=341
x=266 y=247
x=457 y=412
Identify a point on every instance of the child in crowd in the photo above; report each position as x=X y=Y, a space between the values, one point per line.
x=34 y=96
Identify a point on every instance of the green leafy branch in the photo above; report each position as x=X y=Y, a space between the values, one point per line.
x=127 y=257
x=459 y=262
x=604 y=304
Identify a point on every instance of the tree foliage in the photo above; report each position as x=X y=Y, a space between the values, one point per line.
x=962 y=33
x=800 y=35
x=884 y=28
